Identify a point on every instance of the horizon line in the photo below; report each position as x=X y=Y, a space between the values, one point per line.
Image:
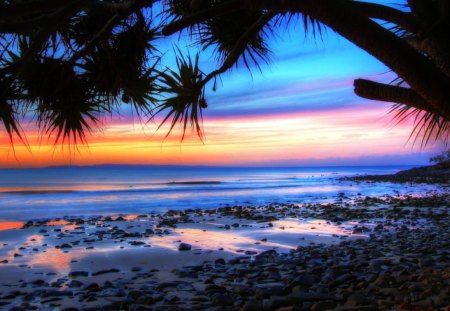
x=209 y=166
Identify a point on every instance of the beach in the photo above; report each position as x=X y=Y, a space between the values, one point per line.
x=356 y=253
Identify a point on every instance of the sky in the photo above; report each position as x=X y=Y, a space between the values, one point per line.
x=300 y=110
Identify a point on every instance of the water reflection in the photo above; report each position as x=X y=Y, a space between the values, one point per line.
x=8 y=225
x=229 y=241
x=317 y=227
x=53 y=258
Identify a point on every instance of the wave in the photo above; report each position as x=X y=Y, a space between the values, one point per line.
x=30 y=192
x=195 y=182
x=180 y=187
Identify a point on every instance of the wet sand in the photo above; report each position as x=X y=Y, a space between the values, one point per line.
x=112 y=262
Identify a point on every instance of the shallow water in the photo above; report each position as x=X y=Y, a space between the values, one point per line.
x=82 y=191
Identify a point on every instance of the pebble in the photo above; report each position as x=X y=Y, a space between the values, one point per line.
x=184 y=247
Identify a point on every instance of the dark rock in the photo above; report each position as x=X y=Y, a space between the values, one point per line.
x=323 y=306
x=356 y=299
x=266 y=257
x=75 y=274
x=222 y=299
x=38 y=282
x=136 y=243
x=184 y=247
x=239 y=260
x=113 y=270
x=56 y=293
x=360 y=308
x=91 y=287
x=220 y=261
x=75 y=283
x=252 y=305
x=305 y=279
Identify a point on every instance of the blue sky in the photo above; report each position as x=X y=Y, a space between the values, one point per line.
x=300 y=110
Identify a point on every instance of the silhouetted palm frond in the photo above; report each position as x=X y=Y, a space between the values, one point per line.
x=84 y=26
x=427 y=126
x=63 y=101
x=121 y=68
x=223 y=33
x=8 y=113
x=188 y=100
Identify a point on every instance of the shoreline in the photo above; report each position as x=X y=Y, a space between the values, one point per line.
x=249 y=258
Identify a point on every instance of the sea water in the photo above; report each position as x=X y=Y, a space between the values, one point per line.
x=100 y=190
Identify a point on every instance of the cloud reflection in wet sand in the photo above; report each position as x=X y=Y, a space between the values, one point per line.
x=207 y=236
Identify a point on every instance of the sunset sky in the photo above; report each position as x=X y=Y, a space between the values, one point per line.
x=301 y=110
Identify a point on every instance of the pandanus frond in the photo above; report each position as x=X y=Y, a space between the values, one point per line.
x=182 y=8
x=86 y=25
x=120 y=68
x=64 y=105
x=428 y=126
x=8 y=113
x=186 y=96
x=224 y=32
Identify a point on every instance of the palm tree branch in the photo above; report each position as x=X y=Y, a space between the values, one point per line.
x=391 y=93
x=373 y=10
x=240 y=46
x=89 y=45
x=201 y=16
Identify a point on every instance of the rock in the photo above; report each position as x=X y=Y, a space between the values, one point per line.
x=269 y=289
x=356 y=299
x=65 y=245
x=305 y=279
x=360 y=308
x=276 y=302
x=377 y=264
x=56 y=293
x=136 y=243
x=252 y=305
x=213 y=288
x=91 y=287
x=220 y=261
x=38 y=282
x=184 y=247
x=222 y=299
x=135 y=294
x=75 y=283
x=74 y=274
x=266 y=257
x=323 y=306
x=113 y=270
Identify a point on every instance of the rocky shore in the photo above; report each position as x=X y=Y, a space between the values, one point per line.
x=431 y=174
x=393 y=253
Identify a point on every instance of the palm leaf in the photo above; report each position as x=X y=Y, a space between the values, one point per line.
x=224 y=32
x=428 y=127
x=185 y=101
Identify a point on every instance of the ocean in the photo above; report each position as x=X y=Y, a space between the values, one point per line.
x=100 y=190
